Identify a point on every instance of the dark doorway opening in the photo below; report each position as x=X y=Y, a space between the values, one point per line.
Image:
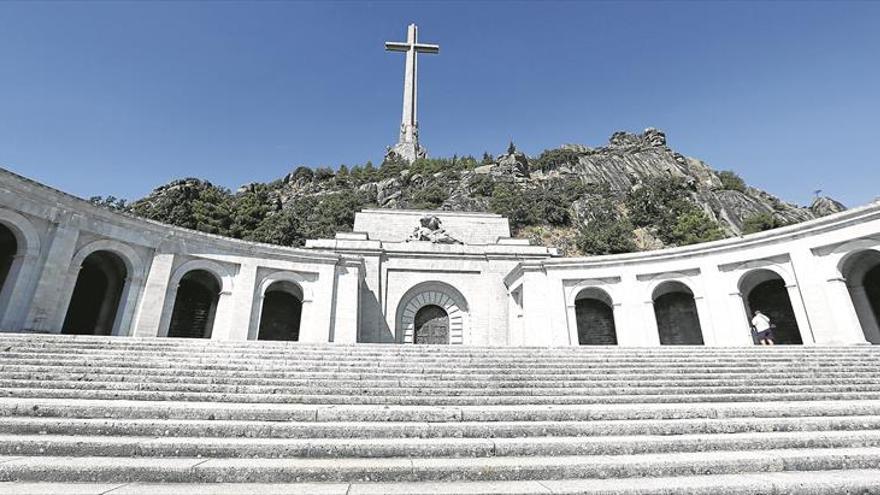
x=595 y=318
x=769 y=295
x=8 y=251
x=431 y=326
x=195 y=305
x=96 y=295
x=678 y=322
x=282 y=312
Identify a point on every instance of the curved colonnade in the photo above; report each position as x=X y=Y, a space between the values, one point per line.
x=67 y=266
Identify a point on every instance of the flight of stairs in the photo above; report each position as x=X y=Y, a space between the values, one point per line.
x=82 y=414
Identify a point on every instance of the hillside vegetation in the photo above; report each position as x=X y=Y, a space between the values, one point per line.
x=633 y=194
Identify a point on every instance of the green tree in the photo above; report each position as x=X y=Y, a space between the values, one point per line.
x=731 y=181
x=694 y=226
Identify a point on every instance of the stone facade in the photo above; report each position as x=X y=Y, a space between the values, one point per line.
x=820 y=278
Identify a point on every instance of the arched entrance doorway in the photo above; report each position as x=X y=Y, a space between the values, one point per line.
x=431 y=325
x=281 y=312
x=765 y=291
x=449 y=306
x=862 y=273
x=594 y=314
x=678 y=322
x=8 y=251
x=195 y=305
x=96 y=295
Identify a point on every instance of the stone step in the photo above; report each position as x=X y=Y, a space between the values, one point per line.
x=397 y=351
x=219 y=447
x=672 y=373
x=832 y=482
x=426 y=389
x=88 y=408
x=257 y=365
x=29 y=425
x=452 y=382
x=294 y=355
x=188 y=470
x=356 y=398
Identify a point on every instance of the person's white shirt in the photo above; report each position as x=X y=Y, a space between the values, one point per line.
x=761 y=322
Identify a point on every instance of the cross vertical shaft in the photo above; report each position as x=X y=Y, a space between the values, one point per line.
x=408 y=141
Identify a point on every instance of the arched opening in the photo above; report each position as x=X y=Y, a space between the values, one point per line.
x=431 y=325
x=8 y=251
x=195 y=305
x=432 y=293
x=96 y=295
x=862 y=274
x=765 y=291
x=595 y=318
x=281 y=313
x=678 y=322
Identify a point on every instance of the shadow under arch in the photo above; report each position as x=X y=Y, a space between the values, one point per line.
x=861 y=270
x=195 y=305
x=765 y=290
x=675 y=310
x=97 y=294
x=281 y=311
x=594 y=314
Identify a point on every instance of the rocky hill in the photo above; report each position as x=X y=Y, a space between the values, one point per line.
x=634 y=193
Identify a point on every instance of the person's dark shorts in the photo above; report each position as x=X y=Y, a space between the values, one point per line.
x=766 y=334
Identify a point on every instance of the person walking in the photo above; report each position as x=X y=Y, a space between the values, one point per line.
x=763 y=328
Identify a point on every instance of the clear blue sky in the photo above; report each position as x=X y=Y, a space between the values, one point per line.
x=117 y=98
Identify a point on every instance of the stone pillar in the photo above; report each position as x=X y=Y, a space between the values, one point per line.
x=704 y=316
x=47 y=303
x=21 y=281
x=800 y=314
x=651 y=335
x=865 y=313
x=347 y=302
x=149 y=314
x=242 y=300
x=848 y=329
x=741 y=325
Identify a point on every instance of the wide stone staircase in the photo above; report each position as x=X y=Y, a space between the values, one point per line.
x=111 y=415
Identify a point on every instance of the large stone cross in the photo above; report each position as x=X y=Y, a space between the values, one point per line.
x=408 y=143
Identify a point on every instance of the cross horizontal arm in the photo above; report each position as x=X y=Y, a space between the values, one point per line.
x=393 y=46
x=422 y=48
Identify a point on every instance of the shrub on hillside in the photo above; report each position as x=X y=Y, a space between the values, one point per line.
x=731 y=181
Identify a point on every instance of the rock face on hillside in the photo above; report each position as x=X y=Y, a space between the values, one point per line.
x=556 y=190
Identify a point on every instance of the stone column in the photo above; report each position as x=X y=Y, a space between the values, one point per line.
x=704 y=316
x=149 y=314
x=242 y=300
x=800 y=314
x=21 y=281
x=651 y=336
x=865 y=313
x=848 y=329
x=741 y=325
x=46 y=304
x=347 y=306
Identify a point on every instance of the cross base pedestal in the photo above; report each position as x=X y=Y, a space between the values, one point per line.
x=406 y=151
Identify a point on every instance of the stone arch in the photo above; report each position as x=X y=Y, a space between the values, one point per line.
x=194 y=273
x=594 y=317
x=133 y=270
x=675 y=310
x=861 y=271
x=297 y=284
x=94 y=303
x=280 y=311
x=19 y=268
x=766 y=289
x=432 y=293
